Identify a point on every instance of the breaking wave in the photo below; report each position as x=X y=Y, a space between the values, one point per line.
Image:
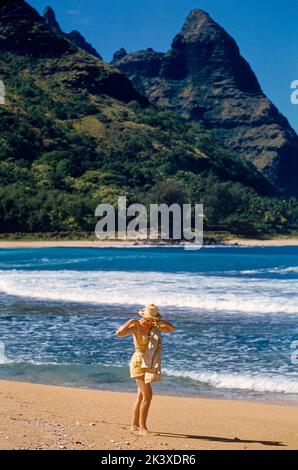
x=181 y=290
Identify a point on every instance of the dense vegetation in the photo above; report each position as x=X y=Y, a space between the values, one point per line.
x=62 y=153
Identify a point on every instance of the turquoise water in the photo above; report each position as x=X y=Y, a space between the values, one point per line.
x=236 y=312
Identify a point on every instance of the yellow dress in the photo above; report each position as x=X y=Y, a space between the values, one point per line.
x=136 y=369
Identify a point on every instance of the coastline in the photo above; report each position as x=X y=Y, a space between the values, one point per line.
x=36 y=416
x=276 y=242
x=256 y=242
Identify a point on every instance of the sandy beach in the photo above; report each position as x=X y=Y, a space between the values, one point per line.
x=122 y=243
x=47 y=417
x=66 y=244
x=255 y=242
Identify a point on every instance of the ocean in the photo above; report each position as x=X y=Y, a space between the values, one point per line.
x=235 y=309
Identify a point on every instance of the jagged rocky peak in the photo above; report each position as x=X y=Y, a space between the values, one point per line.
x=80 y=41
x=209 y=50
x=118 y=55
x=74 y=36
x=204 y=77
x=23 y=31
x=197 y=21
x=50 y=19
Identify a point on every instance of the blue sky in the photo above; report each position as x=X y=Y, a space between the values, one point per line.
x=266 y=32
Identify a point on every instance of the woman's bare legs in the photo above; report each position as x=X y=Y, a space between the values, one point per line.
x=146 y=391
x=136 y=411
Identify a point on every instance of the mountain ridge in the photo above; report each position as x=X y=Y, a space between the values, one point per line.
x=204 y=77
x=75 y=133
x=24 y=31
x=74 y=36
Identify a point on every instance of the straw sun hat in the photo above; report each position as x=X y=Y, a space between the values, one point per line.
x=150 y=312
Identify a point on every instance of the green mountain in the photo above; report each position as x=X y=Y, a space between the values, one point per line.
x=74 y=133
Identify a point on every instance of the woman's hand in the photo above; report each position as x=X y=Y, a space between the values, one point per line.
x=129 y=327
x=166 y=327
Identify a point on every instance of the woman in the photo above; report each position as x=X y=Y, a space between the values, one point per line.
x=145 y=364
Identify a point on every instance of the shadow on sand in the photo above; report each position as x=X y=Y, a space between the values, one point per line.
x=221 y=439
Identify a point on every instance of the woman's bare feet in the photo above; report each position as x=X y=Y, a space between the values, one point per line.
x=134 y=428
x=145 y=432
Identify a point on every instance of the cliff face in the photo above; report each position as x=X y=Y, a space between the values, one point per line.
x=204 y=77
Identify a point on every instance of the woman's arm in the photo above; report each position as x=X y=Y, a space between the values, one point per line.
x=130 y=327
x=166 y=327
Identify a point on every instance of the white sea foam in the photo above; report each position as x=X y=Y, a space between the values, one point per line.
x=275 y=270
x=182 y=290
x=3 y=358
x=256 y=383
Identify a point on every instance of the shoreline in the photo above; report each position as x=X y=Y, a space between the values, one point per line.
x=34 y=416
x=278 y=242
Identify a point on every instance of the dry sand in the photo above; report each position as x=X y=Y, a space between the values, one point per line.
x=65 y=244
x=46 y=417
x=273 y=242
x=121 y=243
